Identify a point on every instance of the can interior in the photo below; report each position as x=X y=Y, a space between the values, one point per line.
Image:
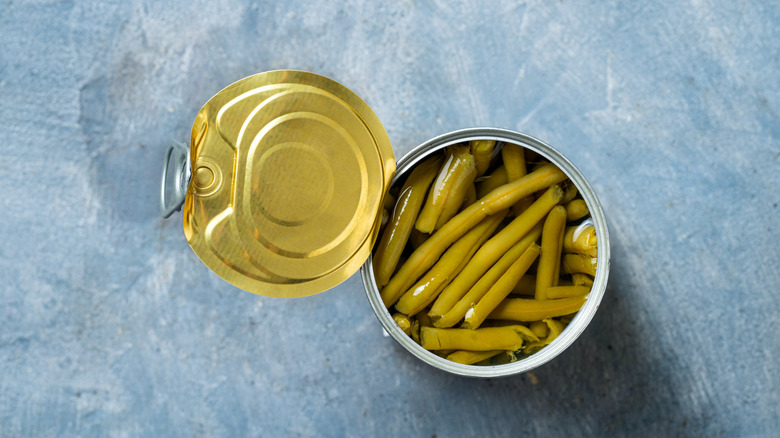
x=583 y=316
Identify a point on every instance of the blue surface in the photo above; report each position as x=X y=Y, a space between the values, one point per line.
x=110 y=325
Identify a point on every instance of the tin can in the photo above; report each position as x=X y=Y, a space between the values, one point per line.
x=583 y=317
x=282 y=186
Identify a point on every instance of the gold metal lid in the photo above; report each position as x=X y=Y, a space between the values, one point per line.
x=288 y=173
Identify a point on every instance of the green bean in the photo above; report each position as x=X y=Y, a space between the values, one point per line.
x=514 y=161
x=396 y=233
x=579 y=263
x=403 y=322
x=389 y=202
x=569 y=192
x=527 y=284
x=491 y=182
x=509 y=338
x=471 y=196
x=449 y=265
x=499 y=199
x=418 y=321
x=416 y=238
x=448 y=189
x=443 y=353
x=472 y=357
x=479 y=312
x=424 y=319
x=566 y=291
x=455 y=201
x=539 y=328
x=480 y=288
x=555 y=328
x=483 y=153
x=492 y=250
x=415 y=330
x=463 y=188
x=548 y=270
x=581 y=240
x=576 y=209
x=566 y=320
x=581 y=280
x=525 y=310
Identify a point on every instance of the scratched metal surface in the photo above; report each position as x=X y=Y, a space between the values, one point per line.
x=110 y=326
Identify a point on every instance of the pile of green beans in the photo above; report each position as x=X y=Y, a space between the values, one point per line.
x=486 y=255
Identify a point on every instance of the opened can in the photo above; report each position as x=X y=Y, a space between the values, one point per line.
x=583 y=316
x=282 y=189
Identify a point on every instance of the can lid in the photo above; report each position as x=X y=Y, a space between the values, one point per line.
x=288 y=173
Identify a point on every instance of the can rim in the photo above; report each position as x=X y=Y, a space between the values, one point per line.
x=581 y=320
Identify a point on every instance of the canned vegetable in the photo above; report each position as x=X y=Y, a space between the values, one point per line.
x=289 y=177
x=518 y=362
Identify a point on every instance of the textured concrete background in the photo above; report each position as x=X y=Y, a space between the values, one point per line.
x=110 y=325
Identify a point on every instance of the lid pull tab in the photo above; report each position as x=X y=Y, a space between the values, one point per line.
x=181 y=178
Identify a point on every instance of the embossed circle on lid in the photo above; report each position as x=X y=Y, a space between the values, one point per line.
x=304 y=163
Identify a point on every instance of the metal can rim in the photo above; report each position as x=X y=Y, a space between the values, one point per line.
x=583 y=317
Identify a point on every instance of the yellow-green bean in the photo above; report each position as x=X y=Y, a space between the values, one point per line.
x=491 y=182
x=569 y=192
x=579 y=263
x=539 y=328
x=417 y=238
x=556 y=292
x=581 y=280
x=479 y=312
x=483 y=153
x=449 y=265
x=403 y=322
x=480 y=288
x=471 y=196
x=548 y=269
x=514 y=161
x=415 y=331
x=508 y=338
x=492 y=250
x=461 y=187
x=555 y=328
x=581 y=240
x=539 y=162
x=526 y=310
x=448 y=189
x=513 y=157
x=471 y=357
x=576 y=209
x=526 y=286
x=424 y=319
x=396 y=233
x=499 y=199
x=389 y=202
x=456 y=200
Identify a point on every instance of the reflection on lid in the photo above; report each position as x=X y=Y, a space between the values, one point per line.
x=303 y=165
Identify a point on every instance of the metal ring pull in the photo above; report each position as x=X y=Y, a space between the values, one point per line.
x=181 y=178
